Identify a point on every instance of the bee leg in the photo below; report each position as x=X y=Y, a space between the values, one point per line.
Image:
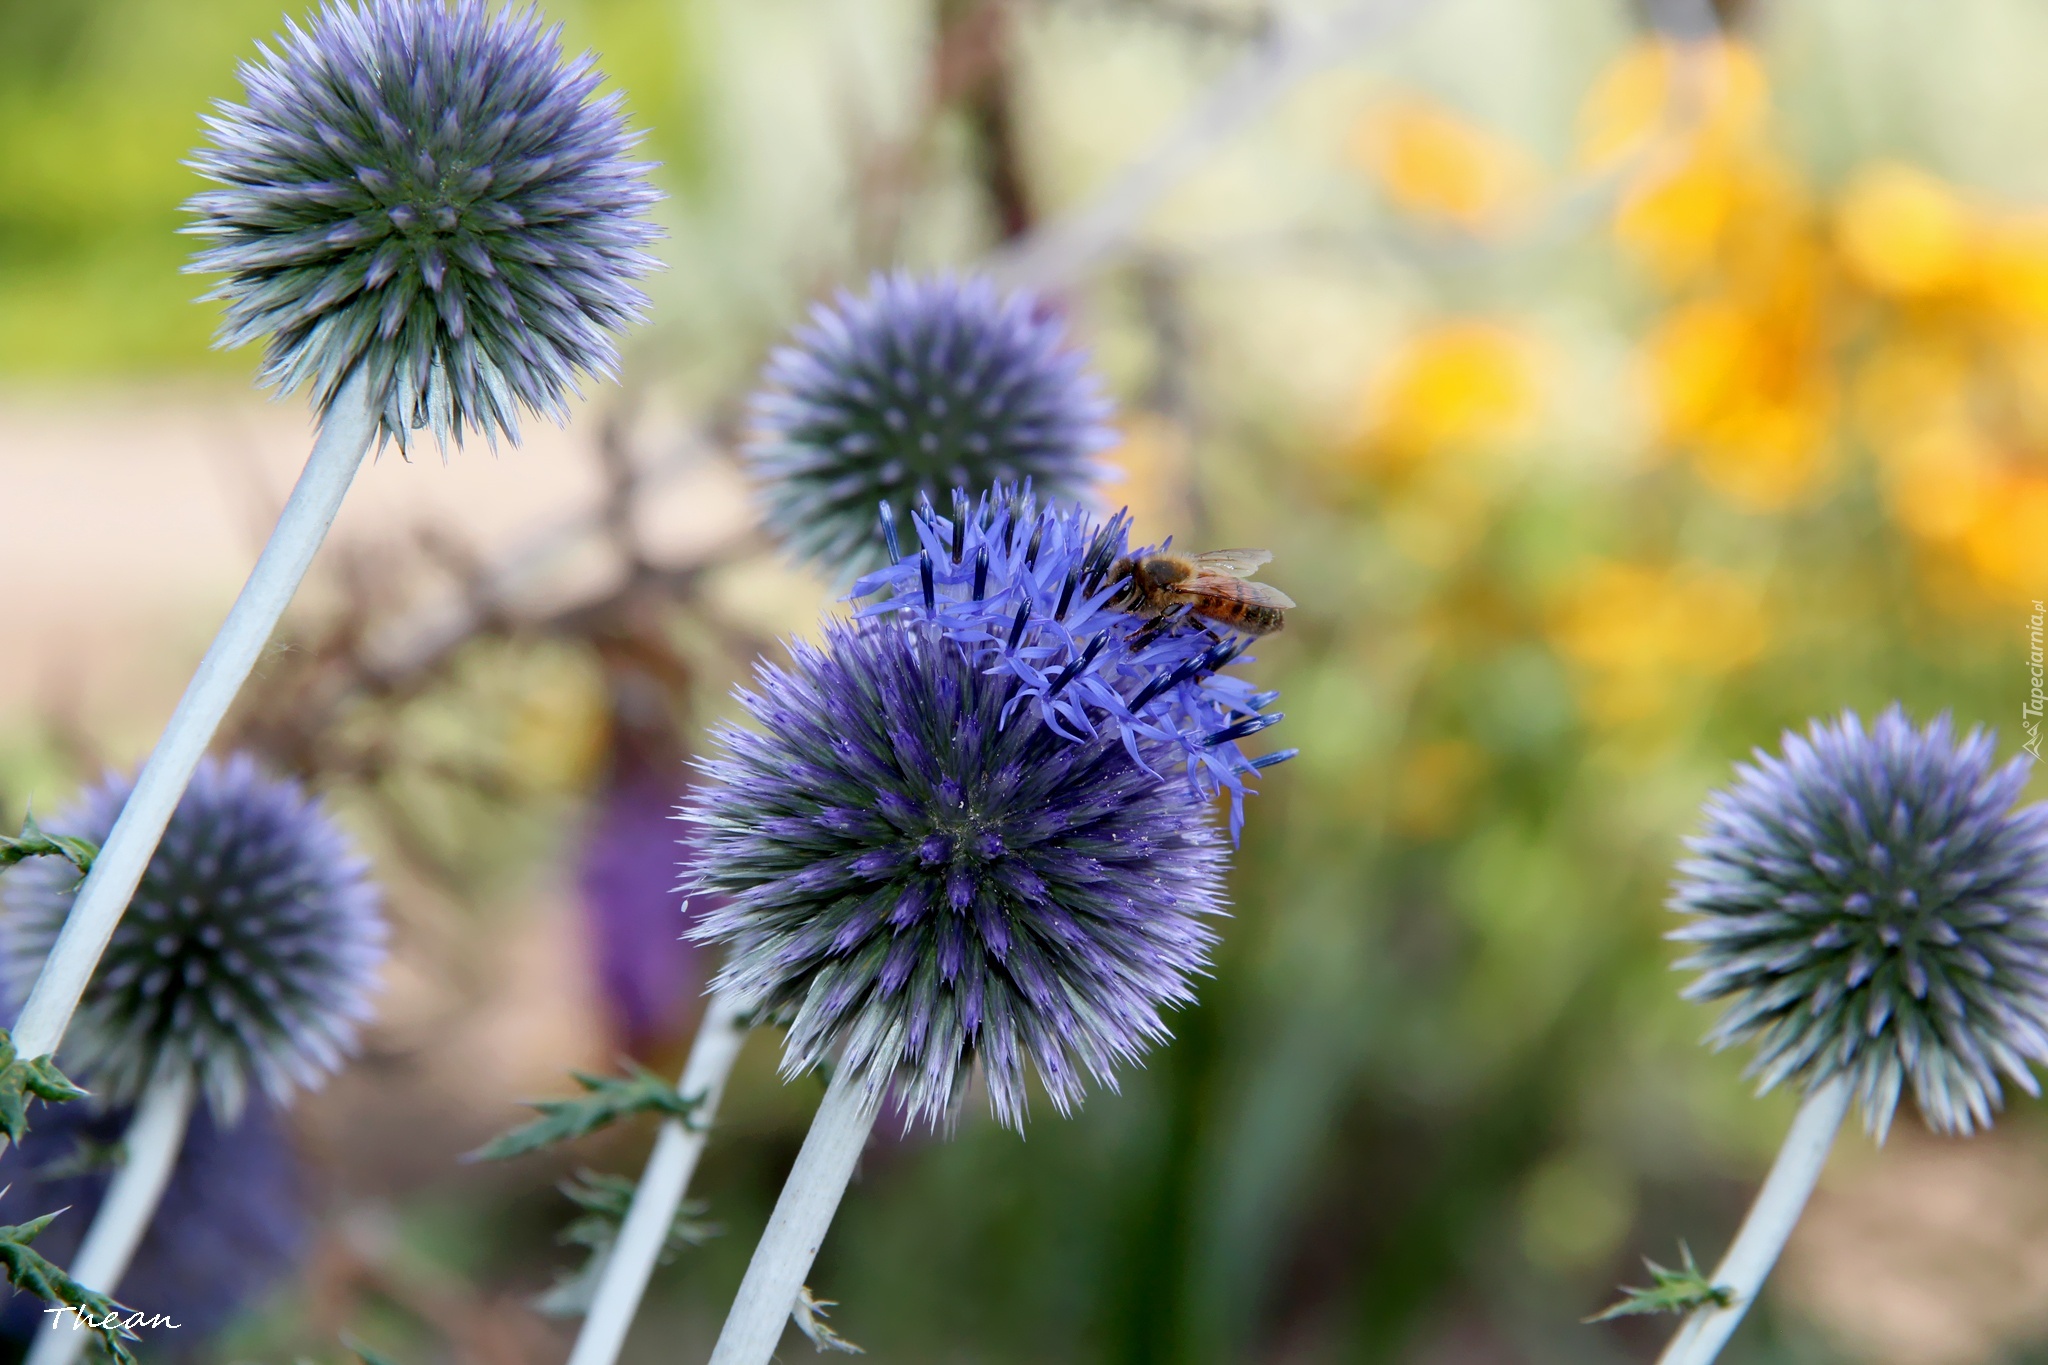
x=1147 y=633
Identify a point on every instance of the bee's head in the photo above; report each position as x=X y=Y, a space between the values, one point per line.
x=1124 y=576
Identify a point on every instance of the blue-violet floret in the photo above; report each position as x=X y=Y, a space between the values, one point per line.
x=1028 y=589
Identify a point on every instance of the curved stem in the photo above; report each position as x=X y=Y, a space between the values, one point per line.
x=345 y=434
x=796 y=1229
x=661 y=1189
x=1770 y=1222
x=154 y=1138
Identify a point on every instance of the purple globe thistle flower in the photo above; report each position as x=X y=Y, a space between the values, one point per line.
x=922 y=873
x=921 y=386
x=1027 y=589
x=249 y=952
x=429 y=191
x=1874 y=908
x=233 y=1222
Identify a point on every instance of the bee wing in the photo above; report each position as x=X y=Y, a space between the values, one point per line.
x=1217 y=587
x=1232 y=563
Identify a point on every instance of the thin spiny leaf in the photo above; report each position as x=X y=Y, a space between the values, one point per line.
x=27 y=1271
x=35 y=842
x=23 y=1079
x=609 y=1099
x=1670 y=1291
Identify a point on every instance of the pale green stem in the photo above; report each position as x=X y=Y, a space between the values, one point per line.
x=797 y=1228
x=150 y=1152
x=662 y=1186
x=345 y=434
x=1769 y=1224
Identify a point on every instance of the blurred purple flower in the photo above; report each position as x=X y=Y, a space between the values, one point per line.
x=250 y=951
x=233 y=1223
x=650 y=977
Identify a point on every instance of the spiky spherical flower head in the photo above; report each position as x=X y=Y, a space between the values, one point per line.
x=249 y=952
x=1873 y=907
x=918 y=387
x=922 y=874
x=428 y=192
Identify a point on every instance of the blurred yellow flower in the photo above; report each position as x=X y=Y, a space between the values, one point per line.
x=1912 y=379
x=1939 y=480
x=1959 y=422
x=1691 y=113
x=1636 y=632
x=2012 y=270
x=2007 y=546
x=1905 y=234
x=1436 y=164
x=1455 y=386
x=1746 y=387
x=1710 y=91
x=1712 y=207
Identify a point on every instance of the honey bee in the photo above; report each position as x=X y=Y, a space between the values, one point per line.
x=1211 y=586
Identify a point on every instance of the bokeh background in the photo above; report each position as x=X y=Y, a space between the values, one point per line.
x=1617 y=386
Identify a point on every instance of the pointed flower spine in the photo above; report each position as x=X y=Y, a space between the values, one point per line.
x=918 y=387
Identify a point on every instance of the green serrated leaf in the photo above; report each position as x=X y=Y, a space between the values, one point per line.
x=809 y=1315
x=604 y=1200
x=34 y=842
x=368 y=1355
x=609 y=1099
x=22 y=1081
x=1670 y=1291
x=27 y=1271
